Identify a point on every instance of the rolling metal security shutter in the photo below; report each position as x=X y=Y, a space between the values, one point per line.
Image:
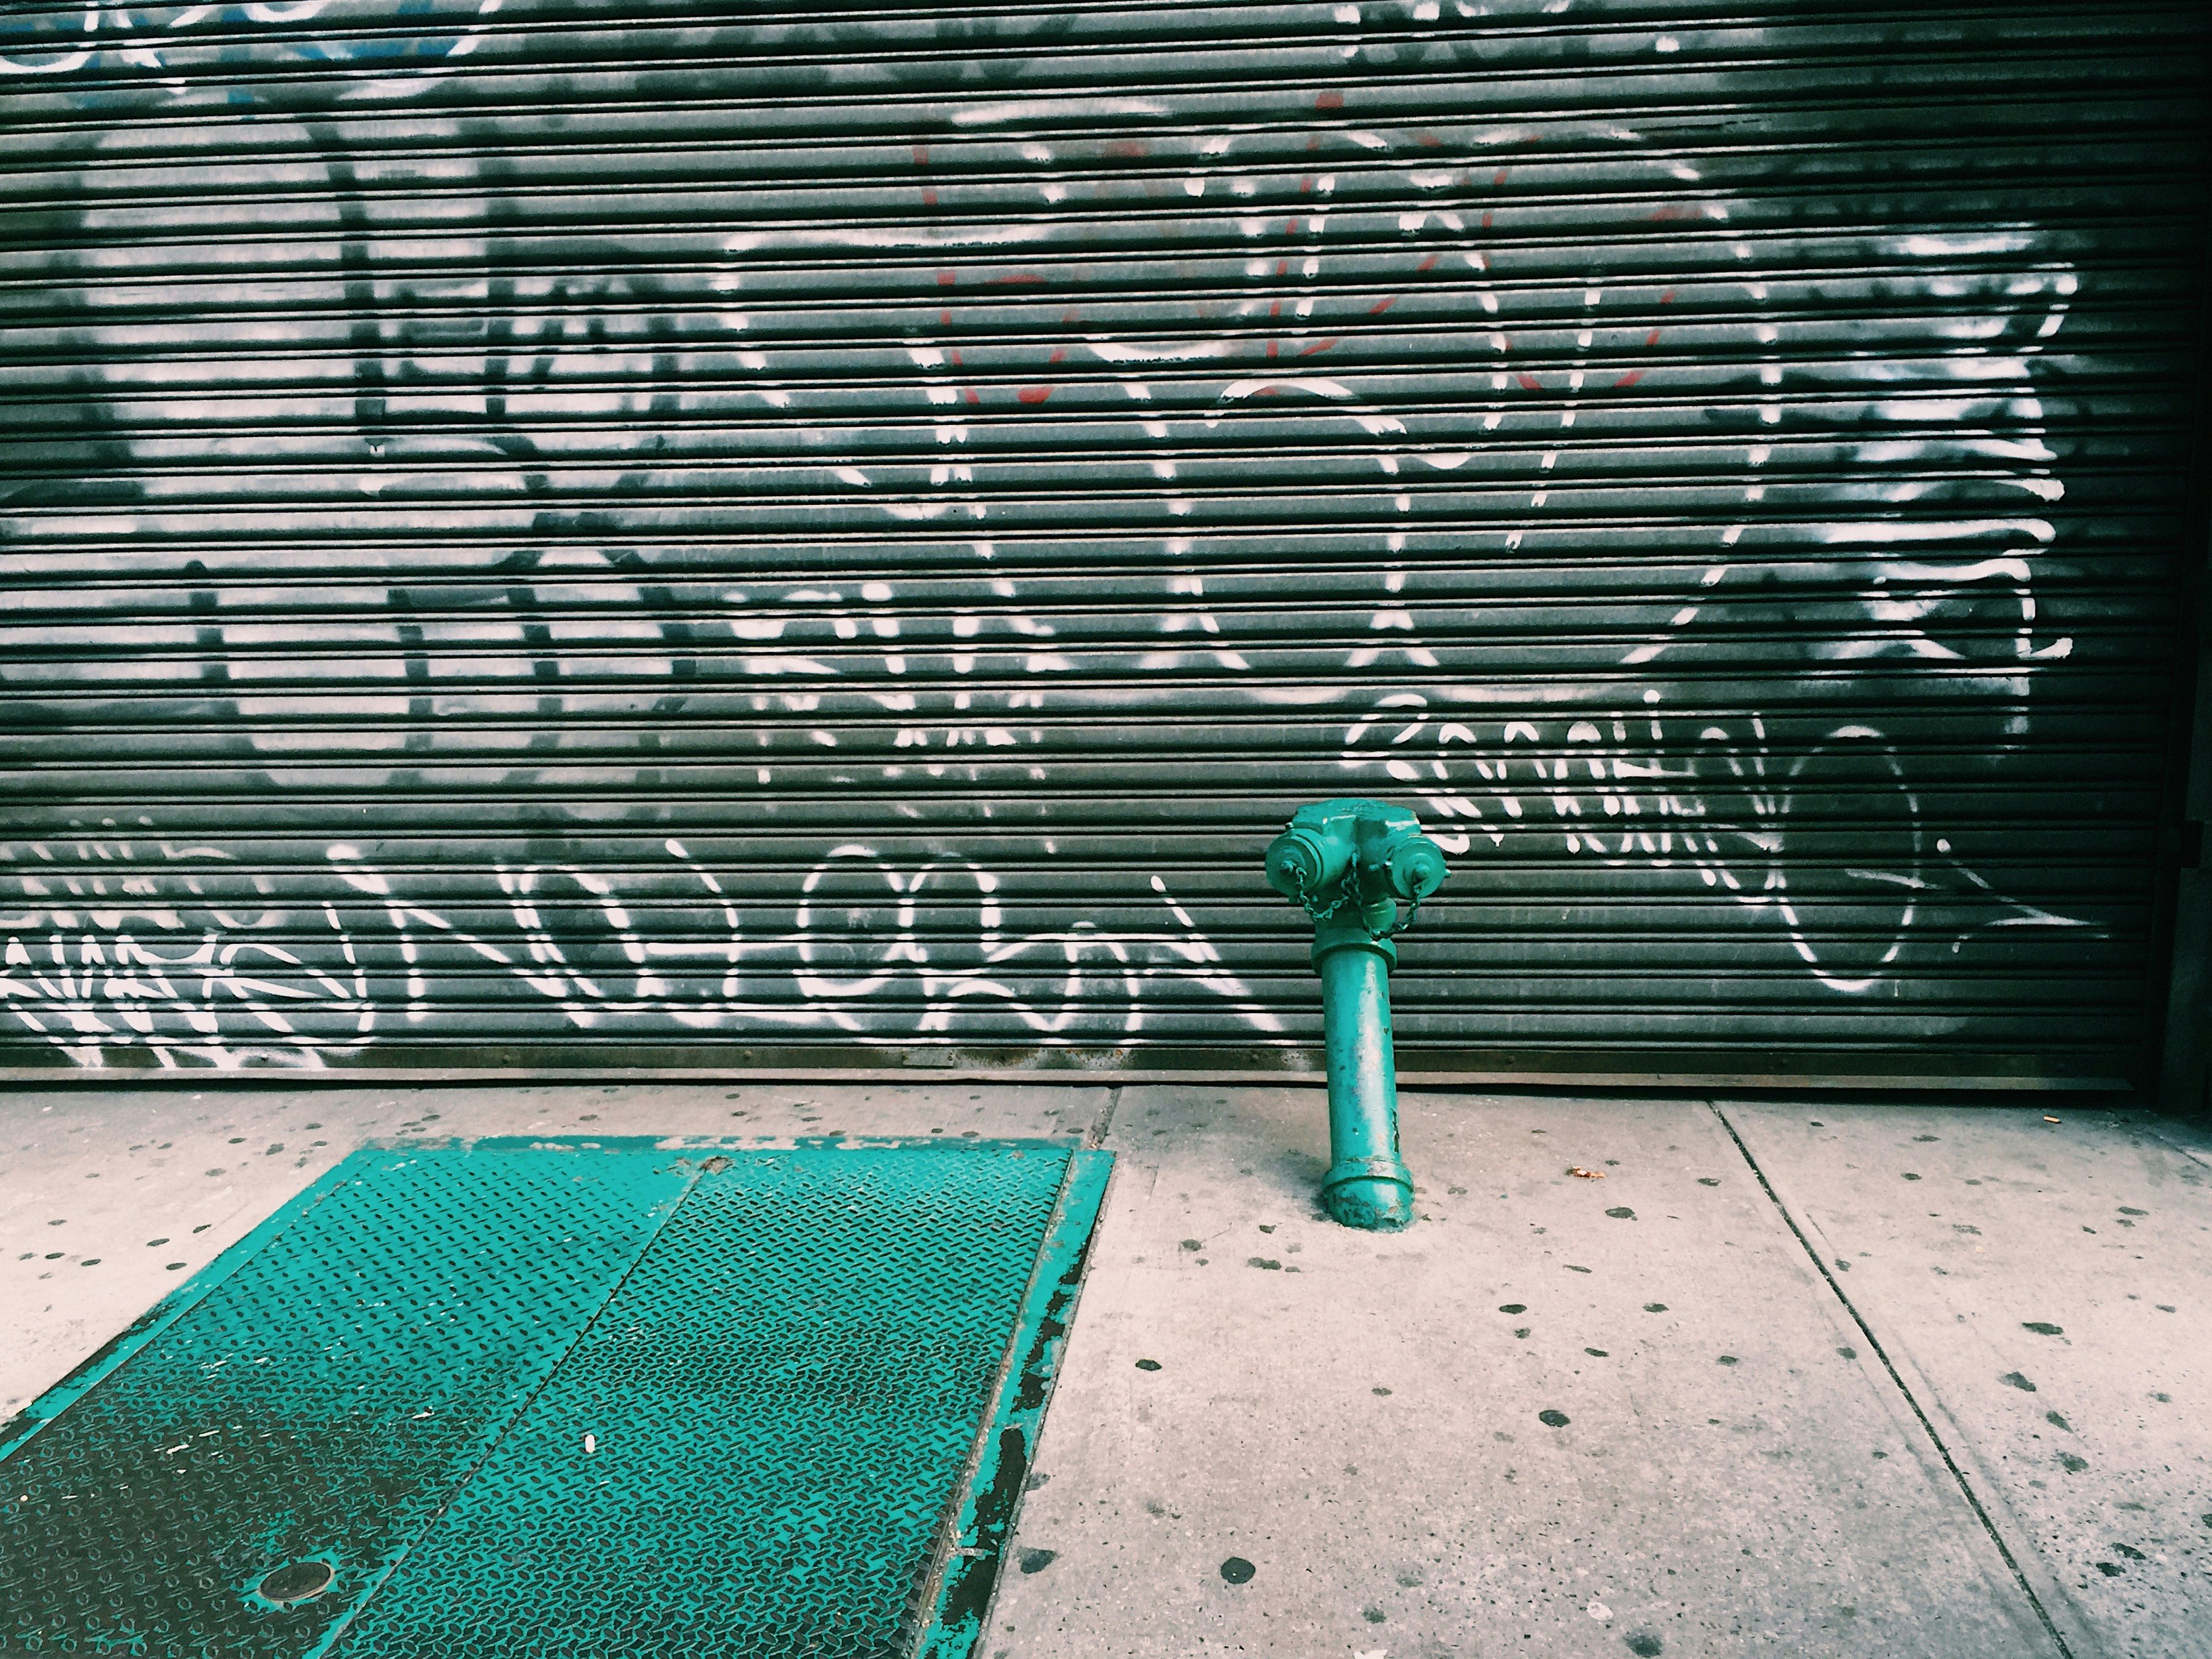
x=547 y=530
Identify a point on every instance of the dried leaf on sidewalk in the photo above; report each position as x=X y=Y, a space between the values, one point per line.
x=1587 y=1174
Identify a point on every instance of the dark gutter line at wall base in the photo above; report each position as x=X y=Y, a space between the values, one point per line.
x=1821 y=1071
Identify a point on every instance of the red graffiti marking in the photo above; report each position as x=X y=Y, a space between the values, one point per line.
x=1059 y=354
x=971 y=394
x=1429 y=140
x=1652 y=338
x=929 y=198
x=1329 y=101
x=921 y=155
x=1015 y=279
x=1034 y=394
x=1318 y=345
x=1429 y=262
x=947 y=278
x=1381 y=306
x=1672 y=211
x=1630 y=377
x=1498 y=178
x=1129 y=149
x=1529 y=381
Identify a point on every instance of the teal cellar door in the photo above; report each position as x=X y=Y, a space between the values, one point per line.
x=518 y=1399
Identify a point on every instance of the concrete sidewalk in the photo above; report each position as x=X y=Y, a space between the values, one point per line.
x=1816 y=1379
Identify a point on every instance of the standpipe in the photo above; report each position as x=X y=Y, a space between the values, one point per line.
x=1348 y=863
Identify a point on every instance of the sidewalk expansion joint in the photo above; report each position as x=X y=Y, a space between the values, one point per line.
x=2194 y=1154
x=1094 y=1137
x=1875 y=1346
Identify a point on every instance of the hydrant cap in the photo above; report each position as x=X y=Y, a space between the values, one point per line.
x=1416 y=868
x=1300 y=862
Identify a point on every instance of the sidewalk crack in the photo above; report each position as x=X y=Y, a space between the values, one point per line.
x=2157 y=1131
x=1875 y=1346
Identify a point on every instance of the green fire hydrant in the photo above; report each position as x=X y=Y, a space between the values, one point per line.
x=1349 y=863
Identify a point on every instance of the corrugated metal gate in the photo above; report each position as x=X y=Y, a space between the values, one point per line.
x=569 y=528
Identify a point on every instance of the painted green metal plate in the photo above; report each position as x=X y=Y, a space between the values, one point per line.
x=511 y=1399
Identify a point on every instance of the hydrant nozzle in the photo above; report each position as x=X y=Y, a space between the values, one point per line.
x=1348 y=863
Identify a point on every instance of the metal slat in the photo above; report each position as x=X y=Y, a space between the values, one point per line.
x=630 y=526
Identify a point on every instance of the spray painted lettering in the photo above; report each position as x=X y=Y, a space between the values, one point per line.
x=464 y=606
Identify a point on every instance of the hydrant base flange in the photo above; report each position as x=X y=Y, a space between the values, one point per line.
x=1374 y=1194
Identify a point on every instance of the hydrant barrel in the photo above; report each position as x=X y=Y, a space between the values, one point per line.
x=1349 y=863
x=1368 y=1184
